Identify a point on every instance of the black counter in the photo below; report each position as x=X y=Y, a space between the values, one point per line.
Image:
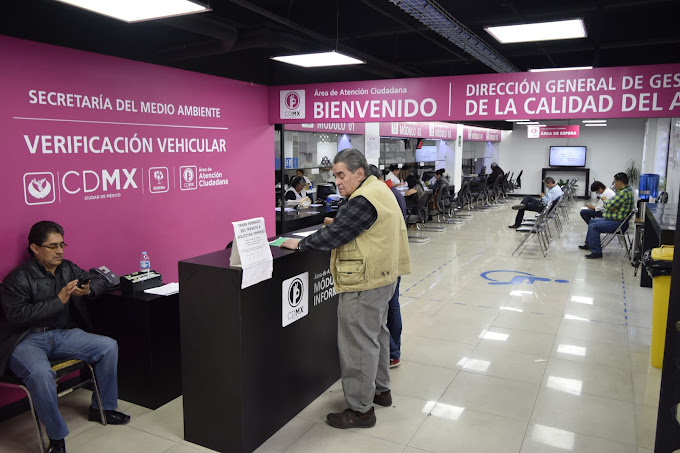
x=244 y=375
x=146 y=327
x=302 y=218
x=660 y=223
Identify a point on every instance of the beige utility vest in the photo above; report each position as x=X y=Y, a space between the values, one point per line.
x=378 y=255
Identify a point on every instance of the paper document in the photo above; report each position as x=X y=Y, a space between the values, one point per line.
x=165 y=290
x=250 y=251
x=278 y=241
x=304 y=234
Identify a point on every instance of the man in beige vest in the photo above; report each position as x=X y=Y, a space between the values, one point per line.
x=369 y=250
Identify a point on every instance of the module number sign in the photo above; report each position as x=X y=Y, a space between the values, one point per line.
x=294 y=298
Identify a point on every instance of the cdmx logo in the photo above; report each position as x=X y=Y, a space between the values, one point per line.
x=292 y=100
x=515 y=278
x=39 y=188
x=188 y=175
x=295 y=292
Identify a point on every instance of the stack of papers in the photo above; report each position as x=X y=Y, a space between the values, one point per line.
x=165 y=290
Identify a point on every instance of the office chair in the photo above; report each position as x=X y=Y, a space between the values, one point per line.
x=62 y=368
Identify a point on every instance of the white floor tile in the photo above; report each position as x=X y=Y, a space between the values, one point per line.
x=420 y=381
x=534 y=343
x=585 y=378
x=506 y=364
x=504 y=397
x=322 y=437
x=452 y=428
x=430 y=351
x=547 y=439
x=645 y=424
x=593 y=415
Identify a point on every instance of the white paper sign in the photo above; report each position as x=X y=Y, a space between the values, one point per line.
x=251 y=251
x=294 y=298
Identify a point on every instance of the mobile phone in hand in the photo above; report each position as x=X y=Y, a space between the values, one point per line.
x=83 y=281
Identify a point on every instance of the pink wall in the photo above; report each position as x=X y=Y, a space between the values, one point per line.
x=112 y=225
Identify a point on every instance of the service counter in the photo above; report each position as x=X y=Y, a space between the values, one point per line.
x=660 y=224
x=302 y=218
x=244 y=375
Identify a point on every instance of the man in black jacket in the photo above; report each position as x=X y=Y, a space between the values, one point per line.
x=43 y=312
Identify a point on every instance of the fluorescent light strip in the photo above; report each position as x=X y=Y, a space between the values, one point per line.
x=315 y=60
x=539 y=31
x=139 y=10
x=529 y=123
x=573 y=68
x=515 y=121
x=596 y=125
x=594 y=121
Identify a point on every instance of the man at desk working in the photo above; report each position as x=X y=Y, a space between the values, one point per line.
x=365 y=266
x=43 y=309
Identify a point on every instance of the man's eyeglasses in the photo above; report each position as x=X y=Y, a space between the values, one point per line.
x=63 y=245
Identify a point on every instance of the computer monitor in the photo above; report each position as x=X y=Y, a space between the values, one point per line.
x=325 y=189
x=567 y=156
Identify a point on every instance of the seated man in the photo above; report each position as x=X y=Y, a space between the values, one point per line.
x=616 y=209
x=496 y=171
x=596 y=210
x=44 y=308
x=532 y=204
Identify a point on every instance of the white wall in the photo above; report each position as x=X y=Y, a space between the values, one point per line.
x=673 y=172
x=609 y=148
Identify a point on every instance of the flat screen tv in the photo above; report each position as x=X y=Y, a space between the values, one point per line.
x=567 y=156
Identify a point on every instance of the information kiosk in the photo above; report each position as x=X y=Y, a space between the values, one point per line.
x=253 y=358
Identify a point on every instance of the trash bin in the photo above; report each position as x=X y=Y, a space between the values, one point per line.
x=659 y=265
x=649 y=186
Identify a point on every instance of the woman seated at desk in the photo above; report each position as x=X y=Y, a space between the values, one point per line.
x=296 y=190
x=415 y=191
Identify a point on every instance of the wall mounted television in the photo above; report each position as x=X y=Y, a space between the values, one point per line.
x=567 y=156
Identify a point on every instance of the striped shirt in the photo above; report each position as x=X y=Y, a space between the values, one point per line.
x=618 y=207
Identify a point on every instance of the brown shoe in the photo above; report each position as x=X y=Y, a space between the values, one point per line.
x=352 y=419
x=383 y=399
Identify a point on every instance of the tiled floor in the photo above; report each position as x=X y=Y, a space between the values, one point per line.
x=524 y=368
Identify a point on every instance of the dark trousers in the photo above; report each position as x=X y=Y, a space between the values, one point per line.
x=587 y=214
x=394 y=323
x=530 y=204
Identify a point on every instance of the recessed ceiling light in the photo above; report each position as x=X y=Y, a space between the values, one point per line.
x=540 y=31
x=573 y=68
x=315 y=60
x=594 y=121
x=139 y=10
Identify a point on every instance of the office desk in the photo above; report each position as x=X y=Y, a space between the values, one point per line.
x=302 y=218
x=146 y=328
x=660 y=223
x=244 y=376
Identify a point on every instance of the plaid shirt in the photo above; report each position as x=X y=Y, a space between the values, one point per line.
x=353 y=218
x=619 y=206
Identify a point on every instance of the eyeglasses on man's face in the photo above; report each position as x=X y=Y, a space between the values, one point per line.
x=55 y=246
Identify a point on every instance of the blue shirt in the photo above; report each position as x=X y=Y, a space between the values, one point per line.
x=552 y=195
